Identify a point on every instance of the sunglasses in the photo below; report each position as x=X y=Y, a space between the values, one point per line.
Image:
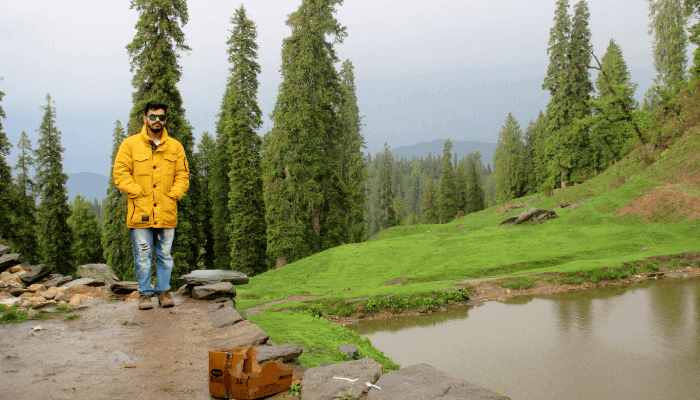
x=153 y=117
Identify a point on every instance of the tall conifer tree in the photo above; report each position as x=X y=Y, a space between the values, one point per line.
x=461 y=187
x=26 y=240
x=447 y=196
x=388 y=212
x=116 y=242
x=429 y=207
x=87 y=238
x=475 y=192
x=239 y=152
x=305 y=197
x=206 y=161
x=508 y=160
x=6 y=198
x=55 y=235
x=154 y=56
x=352 y=169
x=669 y=47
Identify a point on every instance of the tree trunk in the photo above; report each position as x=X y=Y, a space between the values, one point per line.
x=281 y=260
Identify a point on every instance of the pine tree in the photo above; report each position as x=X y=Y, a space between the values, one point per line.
x=535 y=161
x=386 y=195
x=692 y=9
x=447 y=196
x=305 y=198
x=429 y=206
x=352 y=169
x=55 y=236
x=116 y=240
x=461 y=187
x=612 y=127
x=206 y=162
x=414 y=194
x=87 y=238
x=154 y=56
x=6 y=198
x=25 y=236
x=669 y=48
x=508 y=161
x=475 y=192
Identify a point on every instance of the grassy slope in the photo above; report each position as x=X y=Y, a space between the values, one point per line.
x=435 y=257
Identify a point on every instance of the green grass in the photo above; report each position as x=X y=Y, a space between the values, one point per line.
x=415 y=264
x=13 y=314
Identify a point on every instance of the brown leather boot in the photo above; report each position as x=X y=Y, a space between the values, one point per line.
x=165 y=300
x=145 y=302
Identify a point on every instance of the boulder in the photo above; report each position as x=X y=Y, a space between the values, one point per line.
x=100 y=272
x=218 y=305
x=210 y=276
x=48 y=295
x=244 y=333
x=75 y=300
x=134 y=296
x=421 y=381
x=320 y=384
x=4 y=249
x=85 y=282
x=349 y=350
x=16 y=269
x=35 y=273
x=47 y=303
x=11 y=278
x=18 y=291
x=11 y=301
x=210 y=292
x=185 y=290
x=226 y=316
x=77 y=289
x=10 y=260
x=287 y=352
x=56 y=280
x=62 y=299
x=37 y=287
x=126 y=287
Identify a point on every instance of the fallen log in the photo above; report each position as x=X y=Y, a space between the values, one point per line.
x=534 y=216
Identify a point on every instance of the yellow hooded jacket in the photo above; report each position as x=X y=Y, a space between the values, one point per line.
x=153 y=177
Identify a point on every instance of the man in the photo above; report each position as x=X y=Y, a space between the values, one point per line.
x=152 y=169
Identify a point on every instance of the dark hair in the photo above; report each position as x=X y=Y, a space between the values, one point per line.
x=155 y=105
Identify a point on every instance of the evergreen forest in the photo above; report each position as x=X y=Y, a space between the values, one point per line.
x=258 y=201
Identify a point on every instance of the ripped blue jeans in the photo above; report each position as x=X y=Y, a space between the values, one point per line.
x=143 y=242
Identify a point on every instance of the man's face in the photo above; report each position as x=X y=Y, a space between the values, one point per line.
x=152 y=120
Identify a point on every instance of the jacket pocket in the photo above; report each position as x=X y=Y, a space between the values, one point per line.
x=143 y=171
x=170 y=212
x=141 y=207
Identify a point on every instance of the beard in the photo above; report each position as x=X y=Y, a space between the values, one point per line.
x=156 y=129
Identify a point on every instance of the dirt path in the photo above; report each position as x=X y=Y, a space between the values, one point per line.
x=263 y=307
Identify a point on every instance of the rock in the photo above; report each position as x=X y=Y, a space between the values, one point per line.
x=134 y=296
x=77 y=289
x=210 y=292
x=185 y=290
x=62 y=299
x=35 y=273
x=201 y=277
x=48 y=295
x=319 y=383
x=16 y=269
x=45 y=304
x=56 y=280
x=85 y=282
x=350 y=350
x=75 y=300
x=177 y=299
x=9 y=277
x=287 y=352
x=87 y=303
x=37 y=287
x=11 y=301
x=11 y=259
x=226 y=316
x=18 y=291
x=126 y=287
x=421 y=381
x=37 y=300
x=102 y=293
x=4 y=249
x=100 y=272
x=26 y=294
x=244 y=333
x=533 y=215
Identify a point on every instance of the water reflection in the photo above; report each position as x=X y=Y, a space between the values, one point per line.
x=640 y=342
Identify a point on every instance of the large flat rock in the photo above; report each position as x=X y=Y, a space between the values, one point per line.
x=214 y=291
x=10 y=260
x=85 y=282
x=100 y=272
x=4 y=249
x=125 y=287
x=210 y=276
x=287 y=352
x=423 y=382
x=35 y=273
x=319 y=382
x=226 y=316
x=55 y=280
x=244 y=333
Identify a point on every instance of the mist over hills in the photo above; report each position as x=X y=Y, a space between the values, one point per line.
x=461 y=148
x=87 y=184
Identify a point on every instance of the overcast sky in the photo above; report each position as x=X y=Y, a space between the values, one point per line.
x=424 y=70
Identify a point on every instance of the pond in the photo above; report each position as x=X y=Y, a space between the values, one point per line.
x=635 y=342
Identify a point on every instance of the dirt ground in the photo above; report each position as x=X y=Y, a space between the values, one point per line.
x=114 y=351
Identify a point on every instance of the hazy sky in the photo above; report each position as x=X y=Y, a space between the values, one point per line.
x=423 y=70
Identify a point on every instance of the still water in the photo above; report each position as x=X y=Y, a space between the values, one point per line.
x=639 y=342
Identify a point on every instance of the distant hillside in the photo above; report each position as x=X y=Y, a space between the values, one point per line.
x=435 y=148
x=88 y=185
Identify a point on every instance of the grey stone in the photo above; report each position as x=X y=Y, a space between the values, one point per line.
x=4 y=250
x=35 y=273
x=244 y=333
x=177 y=299
x=421 y=381
x=126 y=287
x=85 y=282
x=16 y=291
x=226 y=316
x=87 y=304
x=47 y=295
x=210 y=276
x=10 y=260
x=100 y=272
x=210 y=292
x=56 y=280
x=287 y=352
x=218 y=305
x=185 y=290
x=350 y=350
x=63 y=298
x=319 y=383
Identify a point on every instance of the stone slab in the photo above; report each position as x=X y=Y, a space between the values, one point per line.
x=422 y=381
x=210 y=276
x=84 y=282
x=10 y=260
x=214 y=291
x=244 y=333
x=319 y=382
x=100 y=272
x=35 y=273
x=226 y=316
x=287 y=352
x=55 y=280
x=4 y=250
x=125 y=287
